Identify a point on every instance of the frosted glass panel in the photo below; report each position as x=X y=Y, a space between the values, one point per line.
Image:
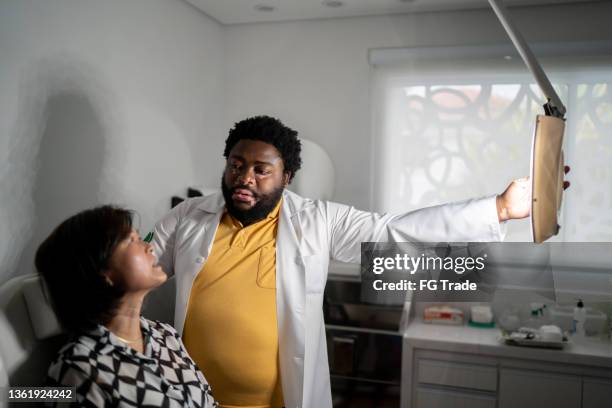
x=589 y=207
x=456 y=138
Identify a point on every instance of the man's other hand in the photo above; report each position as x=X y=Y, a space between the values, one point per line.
x=515 y=201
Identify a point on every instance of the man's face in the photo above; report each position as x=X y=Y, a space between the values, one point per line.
x=253 y=180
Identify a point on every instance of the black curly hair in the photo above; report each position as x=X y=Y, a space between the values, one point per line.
x=272 y=131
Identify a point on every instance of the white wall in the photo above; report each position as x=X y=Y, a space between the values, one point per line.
x=130 y=101
x=314 y=75
x=102 y=101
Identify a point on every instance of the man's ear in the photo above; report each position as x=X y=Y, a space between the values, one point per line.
x=286 y=178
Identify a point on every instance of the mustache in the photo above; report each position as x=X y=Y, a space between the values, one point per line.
x=243 y=187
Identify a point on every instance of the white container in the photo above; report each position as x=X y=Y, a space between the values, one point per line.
x=481 y=314
x=551 y=333
x=580 y=315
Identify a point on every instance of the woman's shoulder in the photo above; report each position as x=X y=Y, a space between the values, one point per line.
x=76 y=351
x=74 y=366
x=73 y=363
x=78 y=346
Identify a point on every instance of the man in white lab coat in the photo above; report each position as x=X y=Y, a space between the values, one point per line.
x=251 y=264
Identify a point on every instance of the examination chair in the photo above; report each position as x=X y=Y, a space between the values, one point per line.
x=30 y=334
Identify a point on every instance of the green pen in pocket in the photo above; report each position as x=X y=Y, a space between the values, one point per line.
x=149 y=237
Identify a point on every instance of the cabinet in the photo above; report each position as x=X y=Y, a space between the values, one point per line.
x=451 y=379
x=456 y=384
x=438 y=380
x=596 y=393
x=460 y=375
x=536 y=389
x=431 y=398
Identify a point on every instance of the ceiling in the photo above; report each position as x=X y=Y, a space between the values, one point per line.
x=257 y=11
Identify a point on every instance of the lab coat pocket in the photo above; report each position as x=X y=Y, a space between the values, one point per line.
x=315 y=274
x=266 y=269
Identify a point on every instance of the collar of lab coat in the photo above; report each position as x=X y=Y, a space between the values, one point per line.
x=212 y=203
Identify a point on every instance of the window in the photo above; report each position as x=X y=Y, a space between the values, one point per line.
x=450 y=127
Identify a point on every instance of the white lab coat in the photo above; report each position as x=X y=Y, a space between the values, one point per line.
x=310 y=232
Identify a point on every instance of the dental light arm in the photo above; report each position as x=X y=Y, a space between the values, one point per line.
x=554 y=106
x=546 y=153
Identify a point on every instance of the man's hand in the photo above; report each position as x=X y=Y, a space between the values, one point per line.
x=515 y=202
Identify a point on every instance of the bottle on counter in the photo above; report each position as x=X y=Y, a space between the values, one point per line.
x=579 y=319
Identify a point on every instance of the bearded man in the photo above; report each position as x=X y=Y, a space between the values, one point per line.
x=251 y=264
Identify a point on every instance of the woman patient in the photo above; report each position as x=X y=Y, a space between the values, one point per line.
x=98 y=271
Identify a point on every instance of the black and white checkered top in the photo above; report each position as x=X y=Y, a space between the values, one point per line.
x=108 y=373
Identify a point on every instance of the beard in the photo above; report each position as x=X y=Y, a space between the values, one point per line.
x=264 y=203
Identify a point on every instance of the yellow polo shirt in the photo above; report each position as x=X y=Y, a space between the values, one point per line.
x=231 y=330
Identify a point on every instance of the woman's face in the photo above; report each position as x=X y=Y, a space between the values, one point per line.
x=133 y=266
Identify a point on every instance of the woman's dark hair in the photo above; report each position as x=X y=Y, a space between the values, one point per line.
x=72 y=261
x=272 y=131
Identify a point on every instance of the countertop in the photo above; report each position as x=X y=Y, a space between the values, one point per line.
x=466 y=339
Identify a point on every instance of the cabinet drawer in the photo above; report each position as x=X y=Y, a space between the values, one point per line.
x=476 y=377
x=434 y=398
x=596 y=393
x=535 y=389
